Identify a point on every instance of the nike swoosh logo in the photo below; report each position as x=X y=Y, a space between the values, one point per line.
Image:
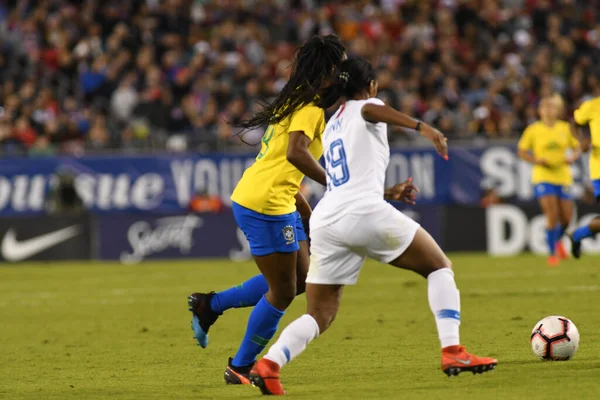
x=13 y=250
x=463 y=362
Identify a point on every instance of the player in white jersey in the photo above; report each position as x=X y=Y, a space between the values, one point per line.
x=353 y=222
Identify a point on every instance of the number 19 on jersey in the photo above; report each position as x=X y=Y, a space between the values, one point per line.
x=336 y=164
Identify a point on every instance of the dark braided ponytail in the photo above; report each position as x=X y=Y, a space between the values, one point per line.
x=314 y=64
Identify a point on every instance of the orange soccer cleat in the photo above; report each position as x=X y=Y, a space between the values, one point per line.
x=265 y=376
x=553 y=261
x=560 y=251
x=456 y=359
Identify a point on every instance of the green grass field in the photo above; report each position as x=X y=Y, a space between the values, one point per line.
x=97 y=331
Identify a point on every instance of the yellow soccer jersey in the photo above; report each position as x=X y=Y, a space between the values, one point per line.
x=270 y=184
x=550 y=143
x=589 y=113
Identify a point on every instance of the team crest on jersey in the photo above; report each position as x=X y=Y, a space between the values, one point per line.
x=288 y=234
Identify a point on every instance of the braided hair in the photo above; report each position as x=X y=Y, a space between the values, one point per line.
x=314 y=64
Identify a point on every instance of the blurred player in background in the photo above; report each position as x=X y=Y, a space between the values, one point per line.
x=353 y=222
x=269 y=209
x=589 y=114
x=545 y=144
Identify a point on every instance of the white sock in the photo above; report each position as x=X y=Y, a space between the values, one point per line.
x=444 y=301
x=293 y=340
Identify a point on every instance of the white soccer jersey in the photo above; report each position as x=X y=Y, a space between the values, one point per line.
x=356 y=154
x=353 y=221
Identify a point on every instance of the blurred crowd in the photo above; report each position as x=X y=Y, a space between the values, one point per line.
x=88 y=75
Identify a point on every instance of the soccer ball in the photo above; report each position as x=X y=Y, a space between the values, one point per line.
x=555 y=338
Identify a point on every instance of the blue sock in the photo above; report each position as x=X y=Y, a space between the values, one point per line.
x=262 y=326
x=245 y=295
x=582 y=233
x=550 y=240
x=558 y=232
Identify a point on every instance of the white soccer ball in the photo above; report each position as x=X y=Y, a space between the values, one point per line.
x=555 y=338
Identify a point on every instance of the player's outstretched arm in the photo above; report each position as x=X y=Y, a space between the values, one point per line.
x=299 y=156
x=378 y=113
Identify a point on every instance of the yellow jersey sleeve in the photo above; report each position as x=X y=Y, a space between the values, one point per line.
x=583 y=113
x=310 y=120
x=526 y=141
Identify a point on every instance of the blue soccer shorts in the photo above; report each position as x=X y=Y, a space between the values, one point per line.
x=548 y=189
x=268 y=234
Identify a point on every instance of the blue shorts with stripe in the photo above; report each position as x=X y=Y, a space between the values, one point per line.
x=268 y=234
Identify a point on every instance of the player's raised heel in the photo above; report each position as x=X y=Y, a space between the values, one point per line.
x=203 y=316
x=237 y=375
x=575 y=247
x=265 y=376
x=455 y=359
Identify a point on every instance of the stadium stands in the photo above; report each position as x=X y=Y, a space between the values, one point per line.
x=82 y=76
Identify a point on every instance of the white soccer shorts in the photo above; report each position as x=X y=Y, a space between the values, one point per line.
x=339 y=250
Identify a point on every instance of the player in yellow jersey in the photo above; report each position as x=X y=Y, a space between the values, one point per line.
x=268 y=207
x=589 y=114
x=544 y=144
